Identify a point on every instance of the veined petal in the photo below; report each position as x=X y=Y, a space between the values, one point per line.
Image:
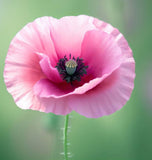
x=118 y=37
x=112 y=93
x=19 y=84
x=47 y=68
x=56 y=106
x=110 y=96
x=68 y=32
x=100 y=53
x=46 y=89
x=22 y=68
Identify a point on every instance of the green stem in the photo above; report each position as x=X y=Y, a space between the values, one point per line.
x=66 y=136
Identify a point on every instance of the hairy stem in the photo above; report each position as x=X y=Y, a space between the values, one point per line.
x=65 y=137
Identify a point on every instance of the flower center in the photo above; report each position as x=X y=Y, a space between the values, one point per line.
x=71 y=69
x=71 y=66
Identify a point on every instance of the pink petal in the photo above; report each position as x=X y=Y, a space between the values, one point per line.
x=36 y=36
x=57 y=106
x=68 y=32
x=50 y=71
x=19 y=84
x=115 y=90
x=111 y=95
x=100 y=53
x=22 y=69
x=46 y=89
x=119 y=38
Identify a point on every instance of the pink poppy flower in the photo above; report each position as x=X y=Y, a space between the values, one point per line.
x=74 y=63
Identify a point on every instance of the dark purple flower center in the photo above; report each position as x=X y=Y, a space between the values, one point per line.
x=71 y=69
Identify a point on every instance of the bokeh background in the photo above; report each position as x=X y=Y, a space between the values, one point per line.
x=124 y=135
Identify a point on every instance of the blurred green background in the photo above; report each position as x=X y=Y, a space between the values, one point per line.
x=124 y=135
